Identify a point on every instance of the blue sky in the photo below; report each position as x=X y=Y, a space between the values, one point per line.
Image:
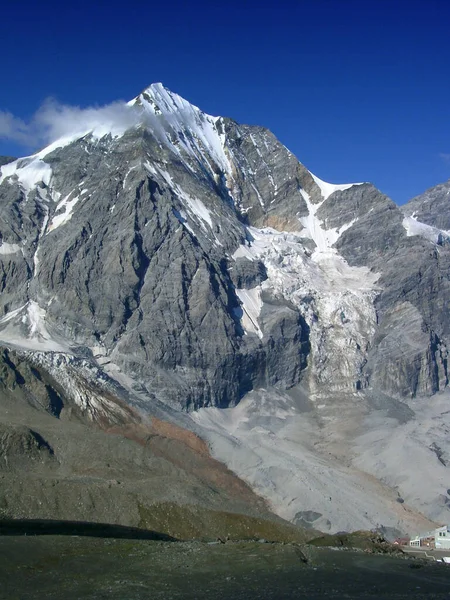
x=358 y=90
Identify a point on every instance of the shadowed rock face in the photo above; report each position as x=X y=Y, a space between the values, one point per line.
x=408 y=354
x=124 y=272
x=139 y=252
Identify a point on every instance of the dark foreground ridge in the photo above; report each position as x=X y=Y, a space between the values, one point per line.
x=55 y=567
x=79 y=528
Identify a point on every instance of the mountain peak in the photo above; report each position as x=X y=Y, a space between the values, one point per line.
x=186 y=261
x=161 y=101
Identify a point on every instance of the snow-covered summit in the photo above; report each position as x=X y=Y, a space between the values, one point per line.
x=165 y=101
x=176 y=123
x=183 y=127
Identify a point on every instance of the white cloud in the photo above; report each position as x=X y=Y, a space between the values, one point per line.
x=54 y=121
x=57 y=120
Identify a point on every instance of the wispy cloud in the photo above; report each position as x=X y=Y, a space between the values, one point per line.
x=14 y=129
x=445 y=157
x=54 y=120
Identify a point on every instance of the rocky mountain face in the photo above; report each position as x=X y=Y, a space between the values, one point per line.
x=79 y=452
x=431 y=208
x=189 y=260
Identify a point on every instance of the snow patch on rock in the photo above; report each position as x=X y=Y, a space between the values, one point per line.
x=26 y=328
x=63 y=212
x=314 y=229
x=321 y=283
x=428 y=232
x=251 y=305
x=327 y=189
x=28 y=171
x=7 y=249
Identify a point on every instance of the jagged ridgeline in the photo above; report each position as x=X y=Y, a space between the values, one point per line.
x=200 y=258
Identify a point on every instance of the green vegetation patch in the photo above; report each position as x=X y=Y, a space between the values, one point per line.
x=188 y=522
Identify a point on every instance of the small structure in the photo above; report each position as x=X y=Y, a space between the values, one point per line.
x=402 y=541
x=424 y=540
x=439 y=539
x=442 y=537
